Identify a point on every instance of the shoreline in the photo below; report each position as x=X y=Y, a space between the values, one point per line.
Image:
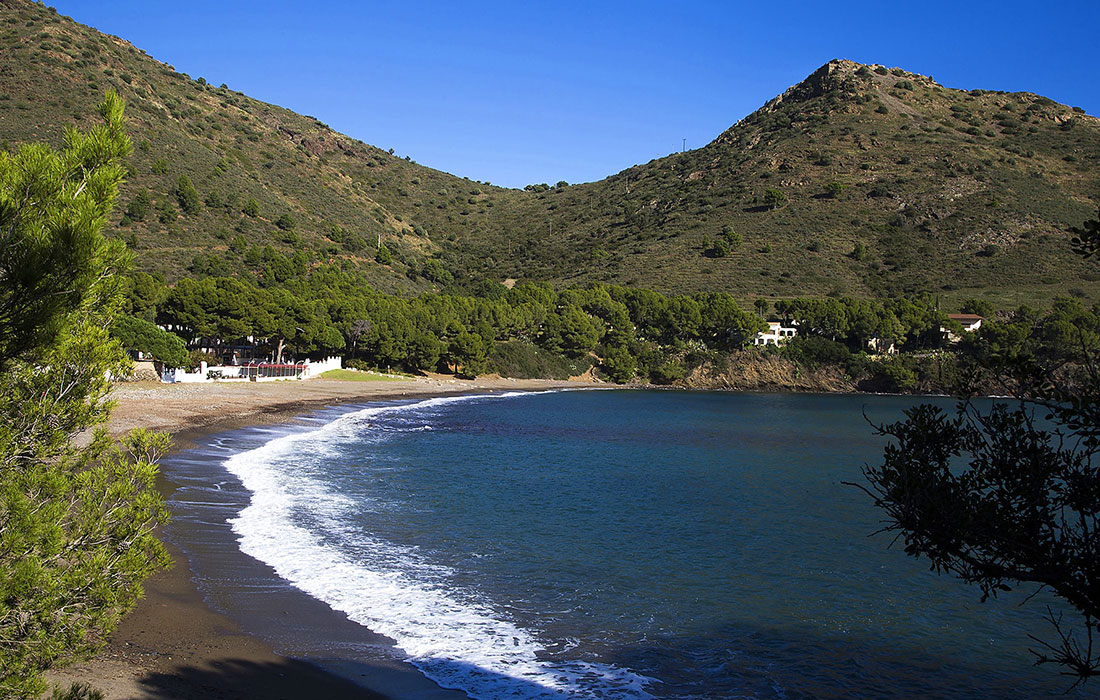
x=174 y=644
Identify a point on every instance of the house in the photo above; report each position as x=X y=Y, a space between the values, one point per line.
x=777 y=333
x=882 y=346
x=969 y=322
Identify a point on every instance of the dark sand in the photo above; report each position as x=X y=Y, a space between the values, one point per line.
x=173 y=645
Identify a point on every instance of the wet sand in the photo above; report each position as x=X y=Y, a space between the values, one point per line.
x=173 y=645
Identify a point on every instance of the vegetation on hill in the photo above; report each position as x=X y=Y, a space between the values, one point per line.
x=76 y=523
x=216 y=178
x=857 y=181
x=860 y=181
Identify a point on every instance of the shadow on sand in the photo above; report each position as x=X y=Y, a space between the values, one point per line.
x=234 y=679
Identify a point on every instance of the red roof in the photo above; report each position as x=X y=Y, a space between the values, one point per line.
x=964 y=318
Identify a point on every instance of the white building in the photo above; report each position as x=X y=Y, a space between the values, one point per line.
x=969 y=323
x=776 y=334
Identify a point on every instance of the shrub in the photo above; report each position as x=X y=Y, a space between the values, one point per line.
x=434 y=271
x=166 y=212
x=895 y=371
x=667 y=372
x=814 y=351
x=251 y=208
x=285 y=222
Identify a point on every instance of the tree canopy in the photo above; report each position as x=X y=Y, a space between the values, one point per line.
x=76 y=523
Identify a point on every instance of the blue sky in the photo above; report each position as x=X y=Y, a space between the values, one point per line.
x=521 y=92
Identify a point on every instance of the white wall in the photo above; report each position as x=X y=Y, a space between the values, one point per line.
x=233 y=373
x=315 y=368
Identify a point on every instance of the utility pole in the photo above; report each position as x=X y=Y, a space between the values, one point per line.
x=683 y=145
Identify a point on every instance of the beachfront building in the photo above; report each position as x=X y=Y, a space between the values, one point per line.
x=969 y=322
x=776 y=334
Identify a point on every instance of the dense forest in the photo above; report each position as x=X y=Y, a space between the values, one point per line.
x=624 y=334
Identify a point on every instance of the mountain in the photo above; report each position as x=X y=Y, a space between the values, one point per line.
x=881 y=182
x=892 y=184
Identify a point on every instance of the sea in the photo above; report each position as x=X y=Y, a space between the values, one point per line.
x=595 y=544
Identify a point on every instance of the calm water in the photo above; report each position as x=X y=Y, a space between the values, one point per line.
x=621 y=544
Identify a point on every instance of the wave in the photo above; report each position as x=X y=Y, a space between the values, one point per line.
x=453 y=636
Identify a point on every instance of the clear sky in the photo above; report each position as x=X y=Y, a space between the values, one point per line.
x=521 y=92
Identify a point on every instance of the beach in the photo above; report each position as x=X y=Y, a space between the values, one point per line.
x=173 y=645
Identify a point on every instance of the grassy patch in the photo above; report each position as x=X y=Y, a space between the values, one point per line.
x=347 y=375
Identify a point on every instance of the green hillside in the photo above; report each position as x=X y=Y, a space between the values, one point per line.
x=882 y=182
x=339 y=194
x=892 y=184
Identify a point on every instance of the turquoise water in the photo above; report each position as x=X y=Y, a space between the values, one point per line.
x=627 y=544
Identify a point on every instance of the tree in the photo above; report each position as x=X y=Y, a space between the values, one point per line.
x=1010 y=496
x=137 y=334
x=188 y=196
x=774 y=198
x=251 y=208
x=469 y=353
x=619 y=364
x=140 y=206
x=720 y=249
x=76 y=522
x=732 y=237
x=834 y=189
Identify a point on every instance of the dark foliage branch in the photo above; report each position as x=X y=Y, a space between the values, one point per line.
x=1009 y=496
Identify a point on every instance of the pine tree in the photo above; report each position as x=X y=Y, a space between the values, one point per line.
x=75 y=522
x=188 y=196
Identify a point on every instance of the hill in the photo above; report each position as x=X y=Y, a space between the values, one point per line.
x=860 y=180
x=887 y=183
x=261 y=175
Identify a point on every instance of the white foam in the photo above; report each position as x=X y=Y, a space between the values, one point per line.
x=451 y=635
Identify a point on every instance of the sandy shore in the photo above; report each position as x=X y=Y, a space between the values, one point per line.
x=173 y=645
